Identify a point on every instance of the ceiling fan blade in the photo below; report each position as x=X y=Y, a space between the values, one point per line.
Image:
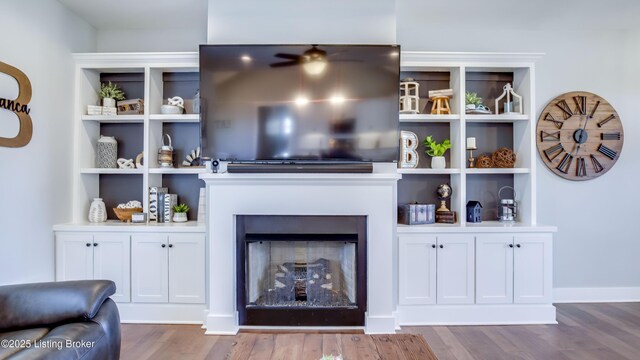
x=284 y=63
x=288 y=56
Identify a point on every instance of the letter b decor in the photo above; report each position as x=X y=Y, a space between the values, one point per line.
x=19 y=106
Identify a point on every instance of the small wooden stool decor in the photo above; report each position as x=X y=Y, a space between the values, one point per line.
x=484 y=162
x=440 y=100
x=504 y=158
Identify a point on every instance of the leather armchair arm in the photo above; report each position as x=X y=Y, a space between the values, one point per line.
x=42 y=304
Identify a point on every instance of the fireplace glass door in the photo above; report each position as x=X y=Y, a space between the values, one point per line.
x=295 y=274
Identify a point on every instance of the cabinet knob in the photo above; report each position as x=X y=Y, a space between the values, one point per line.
x=517 y=245
x=164 y=245
x=441 y=246
x=95 y=244
x=88 y=244
x=170 y=245
x=510 y=245
x=433 y=246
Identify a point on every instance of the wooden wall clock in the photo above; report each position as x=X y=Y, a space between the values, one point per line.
x=579 y=136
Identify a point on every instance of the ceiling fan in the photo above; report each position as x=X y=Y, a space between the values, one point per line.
x=313 y=60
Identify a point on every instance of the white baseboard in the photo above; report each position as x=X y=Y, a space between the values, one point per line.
x=593 y=295
x=136 y=313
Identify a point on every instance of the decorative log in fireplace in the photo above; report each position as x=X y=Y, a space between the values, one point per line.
x=301 y=270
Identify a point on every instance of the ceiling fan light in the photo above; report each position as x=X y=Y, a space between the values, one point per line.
x=315 y=67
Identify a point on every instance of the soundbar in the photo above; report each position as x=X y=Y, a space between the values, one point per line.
x=304 y=167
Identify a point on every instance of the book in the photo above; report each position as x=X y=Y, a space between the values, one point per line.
x=166 y=202
x=446 y=217
x=154 y=191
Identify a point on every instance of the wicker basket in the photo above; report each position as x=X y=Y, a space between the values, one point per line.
x=125 y=214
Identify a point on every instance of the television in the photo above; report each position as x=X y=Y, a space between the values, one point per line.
x=300 y=103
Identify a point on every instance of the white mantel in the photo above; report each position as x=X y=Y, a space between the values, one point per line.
x=371 y=195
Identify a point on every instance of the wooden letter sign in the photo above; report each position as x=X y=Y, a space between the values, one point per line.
x=19 y=106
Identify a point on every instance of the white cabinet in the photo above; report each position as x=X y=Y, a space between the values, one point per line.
x=168 y=268
x=417 y=269
x=513 y=268
x=532 y=267
x=455 y=281
x=84 y=256
x=436 y=269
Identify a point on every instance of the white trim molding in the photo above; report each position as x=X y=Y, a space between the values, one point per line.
x=594 y=295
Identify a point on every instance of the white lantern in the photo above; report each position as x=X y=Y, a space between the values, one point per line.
x=409 y=98
x=513 y=103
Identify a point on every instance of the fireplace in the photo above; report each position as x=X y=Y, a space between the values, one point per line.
x=301 y=270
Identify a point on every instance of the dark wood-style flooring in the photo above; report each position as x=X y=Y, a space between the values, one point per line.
x=584 y=331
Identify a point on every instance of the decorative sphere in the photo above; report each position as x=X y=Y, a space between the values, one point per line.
x=444 y=191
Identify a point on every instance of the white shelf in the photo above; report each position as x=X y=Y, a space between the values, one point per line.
x=492 y=118
x=183 y=118
x=111 y=171
x=428 y=171
x=116 y=119
x=476 y=171
x=184 y=170
x=116 y=225
x=428 y=118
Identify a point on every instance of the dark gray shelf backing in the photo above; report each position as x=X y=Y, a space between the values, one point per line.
x=422 y=188
x=117 y=189
x=185 y=137
x=484 y=188
x=131 y=83
x=490 y=136
x=488 y=85
x=187 y=187
x=183 y=84
x=428 y=81
x=440 y=131
x=130 y=138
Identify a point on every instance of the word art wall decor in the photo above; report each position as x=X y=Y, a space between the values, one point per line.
x=19 y=106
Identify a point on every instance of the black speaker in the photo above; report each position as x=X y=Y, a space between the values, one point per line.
x=214 y=165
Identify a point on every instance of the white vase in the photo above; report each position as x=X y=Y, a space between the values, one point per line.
x=109 y=102
x=438 y=162
x=179 y=217
x=97 y=211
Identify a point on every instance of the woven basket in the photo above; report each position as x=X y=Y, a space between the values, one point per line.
x=125 y=214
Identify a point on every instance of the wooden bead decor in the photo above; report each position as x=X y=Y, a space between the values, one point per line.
x=504 y=158
x=484 y=162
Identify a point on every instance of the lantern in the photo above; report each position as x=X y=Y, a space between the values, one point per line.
x=165 y=153
x=513 y=102
x=507 y=208
x=409 y=98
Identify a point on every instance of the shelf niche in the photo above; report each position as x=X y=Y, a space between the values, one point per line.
x=117 y=189
x=440 y=131
x=429 y=81
x=422 y=189
x=489 y=86
x=485 y=190
x=187 y=187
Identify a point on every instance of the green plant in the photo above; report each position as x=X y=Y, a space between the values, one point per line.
x=182 y=208
x=472 y=98
x=111 y=91
x=435 y=149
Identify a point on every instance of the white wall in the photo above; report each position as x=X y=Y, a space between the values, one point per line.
x=150 y=40
x=35 y=181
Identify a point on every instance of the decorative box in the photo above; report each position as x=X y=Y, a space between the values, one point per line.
x=446 y=217
x=416 y=214
x=94 y=110
x=110 y=111
x=131 y=107
x=139 y=218
x=154 y=192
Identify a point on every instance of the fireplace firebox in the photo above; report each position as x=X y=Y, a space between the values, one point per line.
x=301 y=270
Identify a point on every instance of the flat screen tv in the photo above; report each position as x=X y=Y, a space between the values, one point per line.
x=288 y=103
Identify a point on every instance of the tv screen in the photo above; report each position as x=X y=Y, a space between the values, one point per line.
x=300 y=102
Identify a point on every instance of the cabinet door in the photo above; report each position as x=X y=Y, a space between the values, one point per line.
x=186 y=268
x=417 y=269
x=532 y=268
x=74 y=256
x=455 y=281
x=149 y=268
x=494 y=269
x=111 y=261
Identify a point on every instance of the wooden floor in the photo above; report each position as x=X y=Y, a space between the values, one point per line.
x=584 y=331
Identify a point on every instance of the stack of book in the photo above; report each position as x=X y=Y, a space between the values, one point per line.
x=161 y=204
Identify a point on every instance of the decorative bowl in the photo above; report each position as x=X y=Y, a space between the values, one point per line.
x=171 y=109
x=125 y=214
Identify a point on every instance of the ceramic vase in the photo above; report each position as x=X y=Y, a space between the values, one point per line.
x=179 y=217
x=107 y=154
x=438 y=162
x=97 y=211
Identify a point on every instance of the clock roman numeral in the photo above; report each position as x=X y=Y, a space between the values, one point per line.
x=596 y=164
x=555 y=122
x=566 y=110
x=611 y=117
x=553 y=152
x=611 y=154
x=581 y=169
x=593 y=111
x=610 y=136
x=581 y=105
x=565 y=163
x=547 y=136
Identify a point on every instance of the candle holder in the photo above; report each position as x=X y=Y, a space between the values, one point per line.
x=472 y=160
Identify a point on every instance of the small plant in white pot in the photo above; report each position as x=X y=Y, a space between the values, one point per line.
x=472 y=100
x=110 y=93
x=436 y=151
x=180 y=213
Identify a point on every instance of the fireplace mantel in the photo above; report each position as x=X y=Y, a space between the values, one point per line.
x=370 y=195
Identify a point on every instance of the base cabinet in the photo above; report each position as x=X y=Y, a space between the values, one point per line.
x=532 y=269
x=86 y=256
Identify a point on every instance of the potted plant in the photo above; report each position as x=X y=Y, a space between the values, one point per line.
x=180 y=213
x=110 y=93
x=472 y=100
x=436 y=151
